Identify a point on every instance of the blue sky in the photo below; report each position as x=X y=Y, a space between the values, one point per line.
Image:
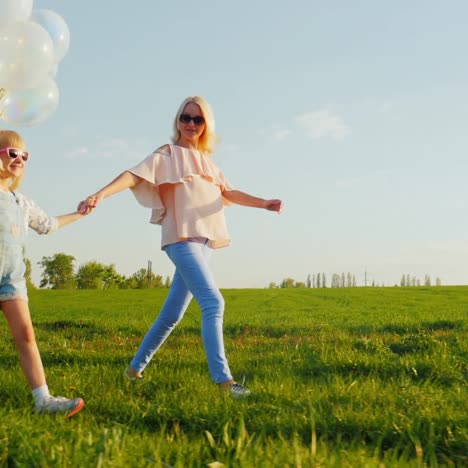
x=354 y=113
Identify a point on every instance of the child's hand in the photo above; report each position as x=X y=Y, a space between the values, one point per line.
x=86 y=206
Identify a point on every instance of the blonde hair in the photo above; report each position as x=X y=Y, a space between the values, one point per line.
x=12 y=139
x=208 y=138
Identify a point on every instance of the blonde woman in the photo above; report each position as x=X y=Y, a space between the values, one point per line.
x=17 y=213
x=186 y=192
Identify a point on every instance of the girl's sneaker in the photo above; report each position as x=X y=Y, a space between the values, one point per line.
x=60 y=404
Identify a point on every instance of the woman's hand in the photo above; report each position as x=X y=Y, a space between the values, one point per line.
x=244 y=199
x=274 y=205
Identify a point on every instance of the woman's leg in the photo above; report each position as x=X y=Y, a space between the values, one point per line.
x=19 y=319
x=171 y=314
x=191 y=261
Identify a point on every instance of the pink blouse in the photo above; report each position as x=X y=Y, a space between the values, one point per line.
x=183 y=188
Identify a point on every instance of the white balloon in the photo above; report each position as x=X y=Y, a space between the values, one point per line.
x=57 y=28
x=26 y=55
x=53 y=71
x=14 y=10
x=31 y=106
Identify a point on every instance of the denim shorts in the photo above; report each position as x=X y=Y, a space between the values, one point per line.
x=12 y=283
x=12 y=237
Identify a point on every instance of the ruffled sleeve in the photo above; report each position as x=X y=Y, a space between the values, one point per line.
x=176 y=167
x=35 y=217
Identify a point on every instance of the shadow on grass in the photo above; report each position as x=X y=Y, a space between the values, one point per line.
x=85 y=330
x=403 y=329
x=391 y=371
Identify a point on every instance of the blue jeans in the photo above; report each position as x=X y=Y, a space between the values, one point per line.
x=192 y=278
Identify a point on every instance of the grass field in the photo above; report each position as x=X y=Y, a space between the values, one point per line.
x=359 y=377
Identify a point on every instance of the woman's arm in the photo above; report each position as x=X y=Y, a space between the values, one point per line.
x=121 y=182
x=244 y=199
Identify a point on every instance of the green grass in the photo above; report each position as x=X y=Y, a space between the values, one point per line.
x=359 y=377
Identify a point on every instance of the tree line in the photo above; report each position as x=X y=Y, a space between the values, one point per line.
x=348 y=280
x=318 y=280
x=58 y=272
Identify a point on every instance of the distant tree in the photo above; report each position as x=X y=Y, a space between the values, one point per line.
x=27 y=274
x=128 y=282
x=438 y=282
x=413 y=281
x=58 y=271
x=427 y=280
x=335 y=281
x=319 y=284
x=324 y=280
x=418 y=282
x=403 y=281
x=110 y=278
x=144 y=279
x=95 y=275
x=408 y=280
x=300 y=284
x=89 y=275
x=309 y=281
x=287 y=283
x=354 y=281
x=167 y=282
x=349 y=280
x=272 y=285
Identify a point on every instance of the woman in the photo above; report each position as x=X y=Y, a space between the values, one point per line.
x=186 y=192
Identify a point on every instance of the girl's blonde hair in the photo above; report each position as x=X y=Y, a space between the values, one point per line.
x=12 y=139
x=208 y=138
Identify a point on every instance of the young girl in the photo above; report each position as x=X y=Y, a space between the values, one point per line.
x=17 y=213
x=186 y=192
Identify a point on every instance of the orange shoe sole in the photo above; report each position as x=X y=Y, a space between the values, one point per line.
x=77 y=409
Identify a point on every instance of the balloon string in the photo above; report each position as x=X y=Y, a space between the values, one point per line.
x=3 y=93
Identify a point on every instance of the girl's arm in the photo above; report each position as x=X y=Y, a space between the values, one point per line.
x=38 y=220
x=121 y=182
x=65 y=219
x=244 y=199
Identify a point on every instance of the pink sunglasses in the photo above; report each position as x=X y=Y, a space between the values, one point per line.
x=14 y=153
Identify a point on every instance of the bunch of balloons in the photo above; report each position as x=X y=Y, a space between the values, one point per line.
x=32 y=43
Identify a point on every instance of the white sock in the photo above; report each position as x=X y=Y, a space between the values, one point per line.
x=39 y=393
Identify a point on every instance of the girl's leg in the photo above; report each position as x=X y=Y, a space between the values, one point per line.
x=19 y=319
x=191 y=261
x=171 y=314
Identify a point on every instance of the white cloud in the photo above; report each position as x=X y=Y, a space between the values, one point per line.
x=386 y=106
x=78 y=152
x=275 y=133
x=323 y=123
x=117 y=148
x=347 y=183
x=281 y=134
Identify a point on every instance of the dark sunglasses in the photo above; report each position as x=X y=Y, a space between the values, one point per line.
x=197 y=120
x=14 y=153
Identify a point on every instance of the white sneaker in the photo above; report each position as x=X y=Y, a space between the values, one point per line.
x=60 y=404
x=132 y=374
x=239 y=391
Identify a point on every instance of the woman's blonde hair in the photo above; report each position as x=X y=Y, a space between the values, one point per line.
x=12 y=139
x=208 y=138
